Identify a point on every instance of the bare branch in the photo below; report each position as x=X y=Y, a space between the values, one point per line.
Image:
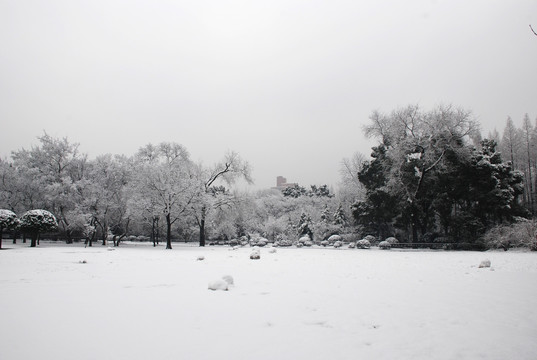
x=533 y=30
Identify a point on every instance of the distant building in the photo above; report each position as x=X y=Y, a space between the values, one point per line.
x=281 y=183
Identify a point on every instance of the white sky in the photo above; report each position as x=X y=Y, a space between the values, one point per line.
x=288 y=84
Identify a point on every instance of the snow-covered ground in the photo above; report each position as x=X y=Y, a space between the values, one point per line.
x=140 y=302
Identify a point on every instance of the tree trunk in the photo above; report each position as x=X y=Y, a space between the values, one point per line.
x=202 y=226
x=33 y=242
x=168 y=231
x=154 y=231
x=1 y=231
x=104 y=229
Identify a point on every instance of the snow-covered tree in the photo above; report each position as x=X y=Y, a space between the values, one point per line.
x=8 y=220
x=526 y=135
x=350 y=189
x=35 y=222
x=164 y=180
x=417 y=144
x=305 y=226
x=213 y=196
x=50 y=176
x=339 y=216
x=104 y=196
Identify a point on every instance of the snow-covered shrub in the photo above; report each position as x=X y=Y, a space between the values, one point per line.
x=338 y=244
x=521 y=234
x=352 y=245
x=350 y=237
x=285 y=242
x=261 y=242
x=200 y=258
x=8 y=220
x=384 y=245
x=363 y=244
x=304 y=239
x=325 y=243
x=35 y=222
x=219 y=285
x=234 y=242
x=485 y=263
x=392 y=240
x=272 y=250
x=308 y=243
x=371 y=239
x=332 y=239
x=255 y=254
x=324 y=230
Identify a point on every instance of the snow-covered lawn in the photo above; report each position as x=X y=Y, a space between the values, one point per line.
x=140 y=302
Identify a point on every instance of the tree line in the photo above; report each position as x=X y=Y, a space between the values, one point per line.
x=431 y=177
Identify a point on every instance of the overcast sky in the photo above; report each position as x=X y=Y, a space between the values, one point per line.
x=287 y=84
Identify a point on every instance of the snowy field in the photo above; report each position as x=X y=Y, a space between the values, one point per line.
x=139 y=302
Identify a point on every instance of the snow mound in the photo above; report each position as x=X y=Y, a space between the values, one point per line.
x=219 y=285
x=485 y=264
x=228 y=279
x=200 y=258
x=255 y=255
x=272 y=250
x=82 y=262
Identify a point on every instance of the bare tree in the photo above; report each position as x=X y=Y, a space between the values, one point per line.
x=229 y=170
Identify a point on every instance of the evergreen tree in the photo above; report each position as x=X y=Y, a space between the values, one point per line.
x=305 y=226
x=339 y=217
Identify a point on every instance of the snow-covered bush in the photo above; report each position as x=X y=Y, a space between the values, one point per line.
x=324 y=230
x=255 y=254
x=272 y=250
x=371 y=239
x=325 y=243
x=234 y=242
x=283 y=242
x=352 y=245
x=8 y=220
x=363 y=244
x=304 y=239
x=392 y=240
x=521 y=234
x=485 y=263
x=338 y=244
x=384 y=245
x=332 y=239
x=35 y=222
